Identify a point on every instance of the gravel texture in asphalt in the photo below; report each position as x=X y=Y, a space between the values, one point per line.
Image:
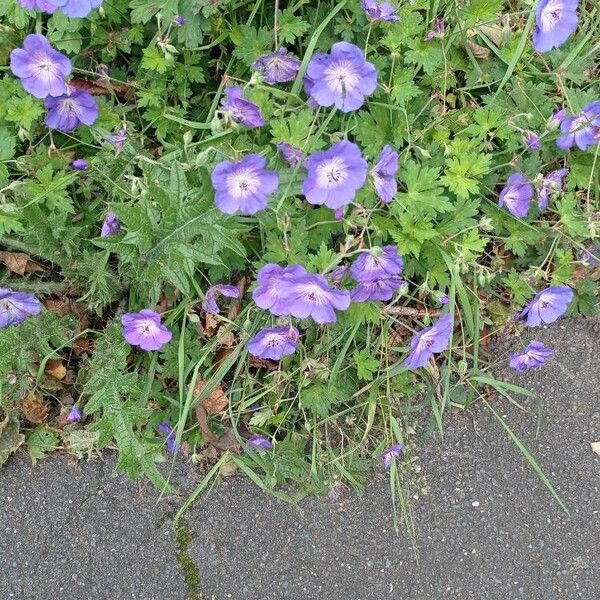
x=486 y=527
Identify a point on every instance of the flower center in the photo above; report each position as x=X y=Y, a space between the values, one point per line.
x=274 y=341
x=6 y=305
x=342 y=74
x=332 y=172
x=243 y=183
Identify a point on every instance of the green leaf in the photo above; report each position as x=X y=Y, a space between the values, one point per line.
x=40 y=442
x=423 y=192
x=10 y=438
x=291 y=26
x=366 y=365
x=463 y=173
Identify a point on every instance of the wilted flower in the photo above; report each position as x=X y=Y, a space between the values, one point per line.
x=171 y=433
x=268 y=294
x=74 y=415
x=339 y=213
x=377 y=263
x=293 y=156
x=341 y=78
x=309 y=295
x=583 y=130
x=531 y=140
x=117 y=140
x=179 y=21
x=15 y=307
x=209 y=303
x=390 y=454
x=429 y=341
x=376 y=289
x=274 y=342
x=516 y=195
x=555 y=21
x=556 y=119
x=379 y=11
x=111 y=225
x=277 y=67
x=437 y=31
x=144 y=329
x=384 y=174
x=590 y=256
x=243 y=186
x=241 y=110
x=41 y=68
x=335 y=175
x=69 y=111
x=259 y=443
x=79 y=164
x=552 y=183
x=444 y=299
x=533 y=357
x=337 y=275
x=548 y=305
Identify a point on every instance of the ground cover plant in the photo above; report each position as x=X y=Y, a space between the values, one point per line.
x=267 y=235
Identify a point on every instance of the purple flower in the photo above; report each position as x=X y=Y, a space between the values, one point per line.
x=556 y=119
x=428 y=341
x=42 y=5
x=15 y=307
x=309 y=295
x=209 y=303
x=516 y=195
x=531 y=140
x=171 y=433
x=259 y=443
x=444 y=299
x=69 y=111
x=377 y=263
x=339 y=213
x=552 y=183
x=243 y=186
x=548 y=305
x=274 y=342
x=268 y=295
x=583 y=130
x=293 y=156
x=145 y=330
x=111 y=225
x=384 y=174
x=437 y=31
x=179 y=21
x=74 y=415
x=117 y=140
x=342 y=78
x=390 y=454
x=41 y=68
x=379 y=11
x=555 y=21
x=335 y=175
x=76 y=8
x=376 y=289
x=277 y=67
x=590 y=256
x=240 y=110
x=79 y=164
x=533 y=357
x=337 y=275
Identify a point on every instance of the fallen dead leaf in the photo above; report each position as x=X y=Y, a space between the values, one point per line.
x=236 y=305
x=20 y=263
x=216 y=402
x=595 y=446
x=34 y=409
x=479 y=51
x=55 y=368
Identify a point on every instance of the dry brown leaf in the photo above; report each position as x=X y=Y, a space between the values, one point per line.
x=236 y=305
x=34 y=409
x=102 y=88
x=82 y=345
x=216 y=402
x=20 y=263
x=595 y=446
x=493 y=31
x=55 y=368
x=262 y=363
x=479 y=51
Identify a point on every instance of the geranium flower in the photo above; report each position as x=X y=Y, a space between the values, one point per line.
x=171 y=433
x=516 y=195
x=15 y=307
x=377 y=263
x=268 y=295
x=555 y=21
x=69 y=111
x=310 y=296
x=379 y=11
x=335 y=175
x=548 y=305
x=552 y=183
x=209 y=303
x=341 y=78
x=259 y=443
x=293 y=156
x=118 y=140
x=241 y=110
x=583 y=130
x=531 y=140
x=74 y=415
x=390 y=454
x=42 y=5
x=437 y=31
x=111 y=225
x=144 y=329
x=384 y=174
x=274 y=343
x=277 y=67
x=376 y=289
x=79 y=164
x=243 y=186
x=533 y=357
x=428 y=341
x=41 y=68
